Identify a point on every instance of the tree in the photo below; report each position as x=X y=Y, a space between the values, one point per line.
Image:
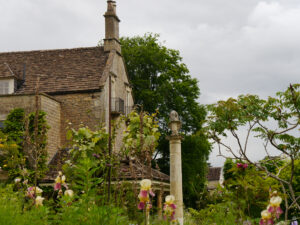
x=252 y=114
x=161 y=81
x=194 y=167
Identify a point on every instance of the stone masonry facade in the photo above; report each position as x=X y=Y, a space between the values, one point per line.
x=74 y=86
x=47 y=104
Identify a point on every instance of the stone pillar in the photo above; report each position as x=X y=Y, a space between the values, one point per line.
x=159 y=204
x=175 y=165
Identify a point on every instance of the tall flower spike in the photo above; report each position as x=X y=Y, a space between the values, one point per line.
x=144 y=194
x=59 y=181
x=169 y=208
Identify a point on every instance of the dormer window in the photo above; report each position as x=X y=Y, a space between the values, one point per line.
x=7 y=86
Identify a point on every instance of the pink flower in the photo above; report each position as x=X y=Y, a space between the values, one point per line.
x=151 y=193
x=57 y=186
x=30 y=192
x=173 y=206
x=239 y=165
x=278 y=212
x=141 y=205
x=245 y=166
x=266 y=222
x=271 y=209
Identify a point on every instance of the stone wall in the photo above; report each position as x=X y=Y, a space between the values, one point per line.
x=47 y=104
x=10 y=102
x=80 y=109
x=122 y=90
x=52 y=109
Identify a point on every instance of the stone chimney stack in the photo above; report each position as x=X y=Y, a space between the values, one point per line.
x=111 y=41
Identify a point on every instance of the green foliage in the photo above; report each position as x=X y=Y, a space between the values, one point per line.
x=87 y=142
x=286 y=174
x=194 y=167
x=232 y=114
x=14 y=125
x=250 y=188
x=221 y=214
x=272 y=164
x=85 y=179
x=19 y=146
x=88 y=159
x=141 y=135
x=11 y=210
x=228 y=165
x=254 y=115
x=80 y=213
x=161 y=82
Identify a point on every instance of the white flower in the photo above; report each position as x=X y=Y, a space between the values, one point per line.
x=170 y=199
x=38 y=190
x=145 y=184
x=265 y=214
x=39 y=201
x=275 y=201
x=17 y=180
x=60 y=173
x=63 y=179
x=69 y=193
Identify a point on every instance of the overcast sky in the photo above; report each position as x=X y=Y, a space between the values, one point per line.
x=232 y=47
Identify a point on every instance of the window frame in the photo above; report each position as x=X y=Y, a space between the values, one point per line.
x=7 y=86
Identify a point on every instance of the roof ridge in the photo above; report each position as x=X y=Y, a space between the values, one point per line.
x=51 y=50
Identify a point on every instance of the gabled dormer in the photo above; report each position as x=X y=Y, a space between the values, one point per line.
x=8 y=80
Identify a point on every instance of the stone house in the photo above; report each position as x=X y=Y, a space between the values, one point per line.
x=214 y=177
x=75 y=88
x=75 y=85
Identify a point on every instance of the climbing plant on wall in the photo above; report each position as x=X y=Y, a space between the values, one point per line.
x=19 y=149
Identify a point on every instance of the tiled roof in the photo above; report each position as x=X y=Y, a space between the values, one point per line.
x=5 y=71
x=139 y=172
x=126 y=171
x=214 y=173
x=60 y=70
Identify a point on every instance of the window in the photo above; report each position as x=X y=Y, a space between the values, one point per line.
x=4 y=87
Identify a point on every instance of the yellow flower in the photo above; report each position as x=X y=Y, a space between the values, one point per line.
x=39 y=201
x=275 y=201
x=265 y=215
x=1 y=146
x=14 y=145
x=145 y=184
x=143 y=198
x=60 y=179
x=170 y=199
